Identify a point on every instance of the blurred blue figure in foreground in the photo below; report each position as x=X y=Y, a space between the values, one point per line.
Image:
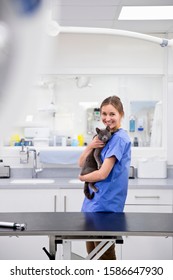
x=26 y=6
x=22 y=26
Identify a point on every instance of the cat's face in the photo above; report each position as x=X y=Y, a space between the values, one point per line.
x=104 y=134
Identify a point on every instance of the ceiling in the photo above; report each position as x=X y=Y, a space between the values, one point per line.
x=104 y=14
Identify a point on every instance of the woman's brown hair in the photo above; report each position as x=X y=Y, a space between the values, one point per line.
x=115 y=101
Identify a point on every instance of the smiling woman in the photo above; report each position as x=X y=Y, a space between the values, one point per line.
x=111 y=180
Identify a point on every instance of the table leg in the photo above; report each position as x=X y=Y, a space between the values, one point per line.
x=99 y=250
x=66 y=250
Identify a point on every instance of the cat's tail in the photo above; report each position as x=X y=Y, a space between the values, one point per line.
x=87 y=192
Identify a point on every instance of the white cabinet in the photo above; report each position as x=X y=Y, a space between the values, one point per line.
x=146 y=247
x=149 y=197
x=71 y=200
x=25 y=200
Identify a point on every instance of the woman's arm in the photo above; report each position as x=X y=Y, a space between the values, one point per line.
x=95 y=143
x=100 y=174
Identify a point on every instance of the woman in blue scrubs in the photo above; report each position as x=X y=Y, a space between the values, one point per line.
x=112 y=178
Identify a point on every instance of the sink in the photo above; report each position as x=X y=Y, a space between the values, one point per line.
x=32 y=181
x=75 y=181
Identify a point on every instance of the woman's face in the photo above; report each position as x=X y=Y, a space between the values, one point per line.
x=111 y=117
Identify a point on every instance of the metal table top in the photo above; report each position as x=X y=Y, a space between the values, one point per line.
x=71 y=224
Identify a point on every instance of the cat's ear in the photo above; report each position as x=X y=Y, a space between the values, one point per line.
x=108 y=128
x=97 y=130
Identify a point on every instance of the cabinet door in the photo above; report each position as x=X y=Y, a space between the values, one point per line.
x=25 y=247
x=149 y=197
x=147 y=247
x=71 y=200
x=28 y=200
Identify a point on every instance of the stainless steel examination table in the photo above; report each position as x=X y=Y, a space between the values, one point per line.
x=65 y=227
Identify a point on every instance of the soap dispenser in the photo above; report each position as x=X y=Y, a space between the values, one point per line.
x=132 y=124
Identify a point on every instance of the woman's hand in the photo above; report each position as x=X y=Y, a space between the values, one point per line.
x=96 y=143
x=81 y=178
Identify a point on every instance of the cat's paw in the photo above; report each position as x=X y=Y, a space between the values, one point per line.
x=90 y=196
x=95 y=189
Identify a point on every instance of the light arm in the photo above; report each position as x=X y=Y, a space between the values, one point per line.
x=106 y=31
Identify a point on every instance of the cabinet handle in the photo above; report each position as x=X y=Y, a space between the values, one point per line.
x=65 y=203
x=147 y=196
x=55 y=202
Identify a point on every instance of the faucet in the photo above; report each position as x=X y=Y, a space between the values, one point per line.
x=36 y=170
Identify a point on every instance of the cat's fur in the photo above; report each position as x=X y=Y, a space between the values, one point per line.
x=93 y=161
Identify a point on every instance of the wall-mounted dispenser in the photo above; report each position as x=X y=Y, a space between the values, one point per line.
x=140 y=122
x=93 y=120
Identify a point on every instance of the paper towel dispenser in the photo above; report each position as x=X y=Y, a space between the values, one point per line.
x=152 y=168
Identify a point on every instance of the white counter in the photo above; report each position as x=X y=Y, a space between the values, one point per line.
x=74 y=183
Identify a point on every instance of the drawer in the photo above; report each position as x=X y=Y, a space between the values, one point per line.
x=149 y=196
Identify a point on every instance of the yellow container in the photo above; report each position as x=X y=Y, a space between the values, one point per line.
x=15 y=138
x=80 y=139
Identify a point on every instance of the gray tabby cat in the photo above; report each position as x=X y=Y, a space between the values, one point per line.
x=93 y=161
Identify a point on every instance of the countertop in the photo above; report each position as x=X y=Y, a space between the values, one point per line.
x=74 y=183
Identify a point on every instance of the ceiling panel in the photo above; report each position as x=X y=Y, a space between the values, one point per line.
x=146 y=2
x=86 y=2
x=88 y=12
x=104 y=14
x=86 y=23
x=145 y=26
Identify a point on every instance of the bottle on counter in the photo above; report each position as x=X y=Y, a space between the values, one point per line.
x=74 y=141
x=132 y=123
x=80 y=139
x=68 y=141
x=63 y=141
x=135 y=142
x=54 y=140
x=141 y=132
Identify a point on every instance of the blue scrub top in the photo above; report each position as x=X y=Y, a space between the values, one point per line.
x=112 y=191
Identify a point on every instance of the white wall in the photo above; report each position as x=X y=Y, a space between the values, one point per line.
x=169 y=123
x=169 y=107
x=72 y=53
